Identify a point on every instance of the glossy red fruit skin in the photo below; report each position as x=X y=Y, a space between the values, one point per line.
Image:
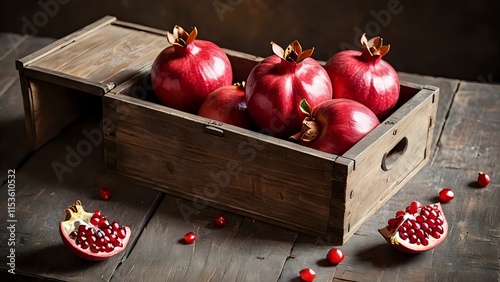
x=182 y=77
x=220 y=221
x=483 y=179
x=228 y=104
x=446 y=195
x=342 y=123
x=364 y=78
x=87 y=254
x=105 y=193
x=307 y=275
x=189 y=237
x=275 y=88
x=335 y=256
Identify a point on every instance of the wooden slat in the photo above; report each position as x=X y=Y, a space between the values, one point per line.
x=41 y=197
x=242 y=251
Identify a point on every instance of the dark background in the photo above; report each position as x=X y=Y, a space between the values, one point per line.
x=454 y=39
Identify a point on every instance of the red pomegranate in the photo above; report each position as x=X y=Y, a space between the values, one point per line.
x=365 y=77
x=277 y=84
x=184 y=73
x=228 y=104
x=91 y=236
x=334 y=126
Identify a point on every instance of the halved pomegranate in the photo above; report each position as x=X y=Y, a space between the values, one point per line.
x=90 y=235
x=417 y=229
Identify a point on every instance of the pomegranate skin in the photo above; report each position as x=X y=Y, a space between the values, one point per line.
x=341 y=123
x=275 y=88
x=182 y=77
x=366 y=79
x=228 y=104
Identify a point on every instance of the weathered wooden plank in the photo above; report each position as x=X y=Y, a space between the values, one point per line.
x=42 y=193
x=471 y=137
x=241 y=251
x=447 y=88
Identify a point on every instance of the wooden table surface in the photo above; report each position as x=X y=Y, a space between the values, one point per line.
x=466 y=140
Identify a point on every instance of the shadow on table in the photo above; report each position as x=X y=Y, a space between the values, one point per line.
x=383 y=256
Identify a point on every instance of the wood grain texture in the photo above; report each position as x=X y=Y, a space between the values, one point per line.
x=470 y=138
x=241 y=251
x=41 y=197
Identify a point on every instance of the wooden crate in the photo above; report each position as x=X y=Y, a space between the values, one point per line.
x=212 y=163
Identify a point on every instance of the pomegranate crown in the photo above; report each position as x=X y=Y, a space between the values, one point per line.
x=180 y=37
x=292 y=53
x=374 y=46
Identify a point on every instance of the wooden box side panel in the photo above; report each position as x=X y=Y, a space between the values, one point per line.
x=48 y=108
x=387 y=158
x=213 y=163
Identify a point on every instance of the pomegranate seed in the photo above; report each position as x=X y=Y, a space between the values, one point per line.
x=115 y=226
x=424 y=226
x=117 y=243
x=439 y=229
x=84 y=245
x=413 y=208
x=413 y=239
x=82 y=228
x=424 y=241
x=433 y=214
x=89 y=232
x=189 y=237
x=81 y=240
x=307 y=274
x=113 y=237
x=91 y=239
x=439 y=221
x=403 y=236
x=94 y=248
x=105 y=193
x=446 y=195
x=420 y=234
x=420 y=219
x=335 y=256
x=100 y=242
x=97 y=214
x=220 y=221
x=121 y=233
x=402 y=229
x=483 y=179
x=435 y=234
x=73 y=234
x=108 y=231
x=103 y=224
x=95 y=221
x=400 y=213
x=109 y=247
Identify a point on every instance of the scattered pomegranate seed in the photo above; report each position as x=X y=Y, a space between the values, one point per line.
x=220 y=221
x=335 y=256
x=190 y=237
x=446 y=195
x=483 y=179
x=105 y=193
x=307 y=274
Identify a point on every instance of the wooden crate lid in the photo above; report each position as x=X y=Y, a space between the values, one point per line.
x=96 y=58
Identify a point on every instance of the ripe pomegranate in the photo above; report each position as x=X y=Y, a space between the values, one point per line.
x=364 y=77
x=276 y=85
x=90 y=235
x=334 y=126
x=416 y=229
x=184 y=73
x=228 y=104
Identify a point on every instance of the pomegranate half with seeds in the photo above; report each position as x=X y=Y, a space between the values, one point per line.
x=91 y=236
x=416 y=229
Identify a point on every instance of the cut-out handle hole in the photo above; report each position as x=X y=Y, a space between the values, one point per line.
x=390 y=158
